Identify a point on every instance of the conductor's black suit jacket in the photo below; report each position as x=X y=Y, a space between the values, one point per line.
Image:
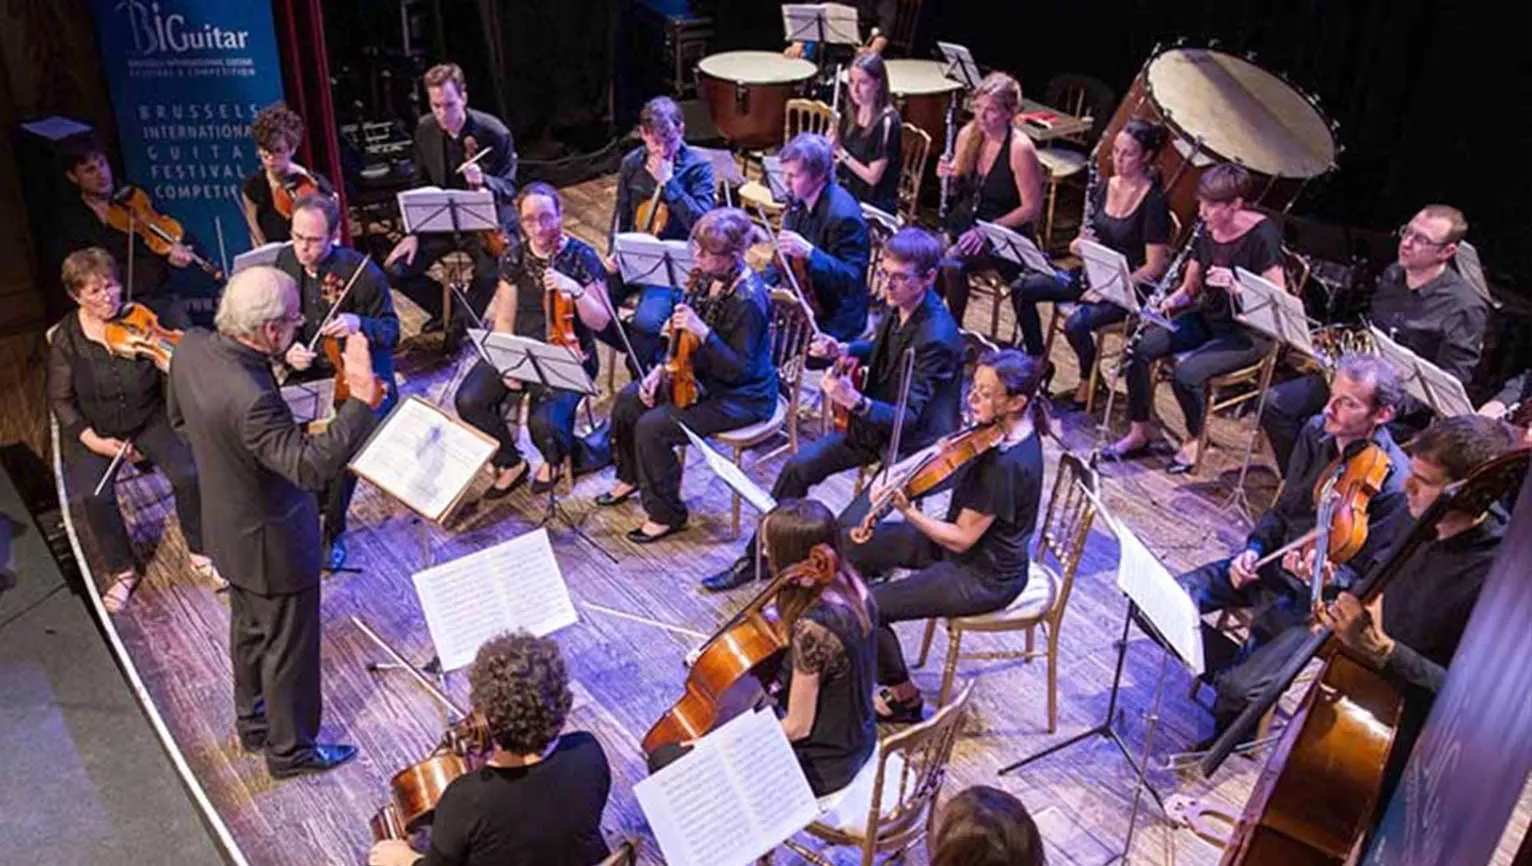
x=259 y=469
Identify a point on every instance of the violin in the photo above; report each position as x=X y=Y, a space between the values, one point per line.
x=131 y=213
x=1342 y=496
x=333 y=290
x=927 y=470
x=740 y=658
x=678 y=379
x=846 y=367
x=297 y=184
x=136 y=333
x=496 y=242
x=414 y=791
x=559 y=308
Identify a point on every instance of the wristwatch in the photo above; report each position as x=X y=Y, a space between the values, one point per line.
x=863 y=406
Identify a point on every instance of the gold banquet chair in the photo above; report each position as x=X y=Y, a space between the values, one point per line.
x=1065 y=527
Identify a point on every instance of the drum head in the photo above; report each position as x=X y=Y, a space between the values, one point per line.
x=756 y=67
x=1242 y=113
x=912 y=77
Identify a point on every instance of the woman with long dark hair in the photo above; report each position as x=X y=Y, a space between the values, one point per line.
x=868 y=143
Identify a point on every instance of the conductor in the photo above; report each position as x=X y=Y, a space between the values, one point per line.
x=262 y=526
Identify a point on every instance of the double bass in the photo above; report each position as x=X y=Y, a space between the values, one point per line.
x=739 y=659
x=1319 y=789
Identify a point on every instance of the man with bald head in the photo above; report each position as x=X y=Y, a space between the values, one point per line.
x=261 y=514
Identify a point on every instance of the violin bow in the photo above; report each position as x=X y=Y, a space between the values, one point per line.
x=223 y=253
x=111 y=468
x=335 y=307
x=904 y=397
x=476 y=157
x=787 y=269
x=413 y=671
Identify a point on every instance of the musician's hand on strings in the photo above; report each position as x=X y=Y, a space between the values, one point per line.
x=647 y=387
x=794 y=50
x=179 y=255
x=392 y=852
x=403 y=251
x=826 y=346
x=554 y=281
x=971 y=242
x=691 y=657
x=1242 y=569
x=900 y=502
x=1301 y=563
x=793 y=244
x=341 y=324
x=687 y=320
x=299 y=357
x=473 y=176
x=1357 y=626
x=358 y=361
x=838 y=390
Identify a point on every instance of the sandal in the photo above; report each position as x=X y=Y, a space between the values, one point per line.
x=116 y=596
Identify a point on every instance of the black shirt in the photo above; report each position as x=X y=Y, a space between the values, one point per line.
x=882 y=139
x=79 y=228
x=690 y=192
x=1256 y=251
x=1516 y=390
x=828 y=640
x=369 y=301
x=274 y=227
x=577 y=260
x=1008 y=483
x=932 y=406
x=734 y=362
x=545 y=814
x=90 y=387
x=1442 y=321
x=1294 y=512
x=1148 y=224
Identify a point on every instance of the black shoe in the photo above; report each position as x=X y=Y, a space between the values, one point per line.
x=607 y=500
x=735 y=576
x=323 y=757
x=335 y=557
x=540 y=487
x=900 y=712
x=495 y=492
x=254 y=741
x=432 y=325
x=637 y=535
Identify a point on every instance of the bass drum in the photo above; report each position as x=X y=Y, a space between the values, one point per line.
x=1220 y=108
x=747 y=92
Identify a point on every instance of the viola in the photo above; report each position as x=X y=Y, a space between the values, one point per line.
x=334 y=290
x=136 y=333
x=678 y=379
x=559 y=307
x=653 y=214
x=297 y=184
x=740 y=659
x=131 y=212
x=495 y=241
x=927 y=470
x=846 y=367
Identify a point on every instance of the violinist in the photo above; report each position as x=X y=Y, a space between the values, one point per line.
x=103 y=400
x=996 y=178
x=824 y=686
x=869 y=143
x=1513 y=404
x=825 y=232
x=1365 y=394
x=726 y=311
x=975 y=560
x=268 y=195
x=550 y=263
x=446 y=142
x=86 y=221
x=322 y=267
x=920 y=322
x=538 y=801
x=672 y=182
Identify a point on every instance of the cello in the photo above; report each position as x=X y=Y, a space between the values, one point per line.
x=1318 y=791
x=735 y=664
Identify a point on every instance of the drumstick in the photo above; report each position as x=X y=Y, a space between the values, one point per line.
x=643 y=619
x=476 y=157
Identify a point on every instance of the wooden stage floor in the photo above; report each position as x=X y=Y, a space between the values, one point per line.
x=627 y=673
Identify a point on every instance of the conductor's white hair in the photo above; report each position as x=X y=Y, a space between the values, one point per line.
x=252 y=298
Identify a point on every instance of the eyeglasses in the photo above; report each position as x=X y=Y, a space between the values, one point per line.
x=898 y=278
x=1406 y=233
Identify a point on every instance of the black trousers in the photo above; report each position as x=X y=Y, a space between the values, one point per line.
x=940 y=587
x=158 y=442
x=1215 y=350
x=411 y=279
x=274 y=645
x=954 y=274
x=1081 y=327
x=814 y=462
x=1275 y=633
x=484 y=401
x=1032 y=287
x=644 y=443
x=335 y=499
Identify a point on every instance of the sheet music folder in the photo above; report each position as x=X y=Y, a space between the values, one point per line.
x=534 y=362
x=833 y=23
x=423 y=457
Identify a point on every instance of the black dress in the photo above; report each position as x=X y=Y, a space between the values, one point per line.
x=828 y=640
x=882 y=139
x=274 y=227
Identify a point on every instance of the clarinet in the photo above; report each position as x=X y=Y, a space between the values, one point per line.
x=1087 y=216
x=947 y=155
x=1161 y=291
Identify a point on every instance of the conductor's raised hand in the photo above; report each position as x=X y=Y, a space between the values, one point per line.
x=360 y=379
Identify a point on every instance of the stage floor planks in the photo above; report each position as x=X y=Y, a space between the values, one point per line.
x=627 y=673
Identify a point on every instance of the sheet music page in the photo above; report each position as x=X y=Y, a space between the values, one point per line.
x=1015 y=247
x=732 y=475
x=1106 y=271
x=641 y=258
x=422 y=457
x=737 y=795
x=882 y=217
x=514 y=585
x=723 y=162
x=1424 y=380
x=1150 y=585
x=1268 y=308
x=265 y=254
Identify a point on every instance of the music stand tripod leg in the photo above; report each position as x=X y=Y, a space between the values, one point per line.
x=1239 y=499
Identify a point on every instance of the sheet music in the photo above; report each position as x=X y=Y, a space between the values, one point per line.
x=882 y=217
x=1424 y=380
x=737 y=794
x=1150 y=585
x=425 y=210
x=725 y=167
x=512 y=356
x=264 y=255
x=800 y=21
x=960 y=64
x=1014 y=247
x=776 y=177
x=514 y=585
x=422 y=457
x=1269 y=308
x=641 y=258
x=1106 y=272
x=732 y=475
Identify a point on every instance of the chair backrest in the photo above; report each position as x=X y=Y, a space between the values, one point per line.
x=904 y=797
x=806 y=115
x=791 y=332
x=1081 y=96
x=880 y=227
x=1295 y=270
x=1066 y=525
x=906 y=16
x=912 y=168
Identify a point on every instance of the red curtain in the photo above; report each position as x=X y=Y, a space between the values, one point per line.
x=306 y=81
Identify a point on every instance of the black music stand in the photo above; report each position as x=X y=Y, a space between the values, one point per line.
x=823 y=24
x=431 y=210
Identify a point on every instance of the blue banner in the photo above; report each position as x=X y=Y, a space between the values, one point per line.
x=186 y=78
